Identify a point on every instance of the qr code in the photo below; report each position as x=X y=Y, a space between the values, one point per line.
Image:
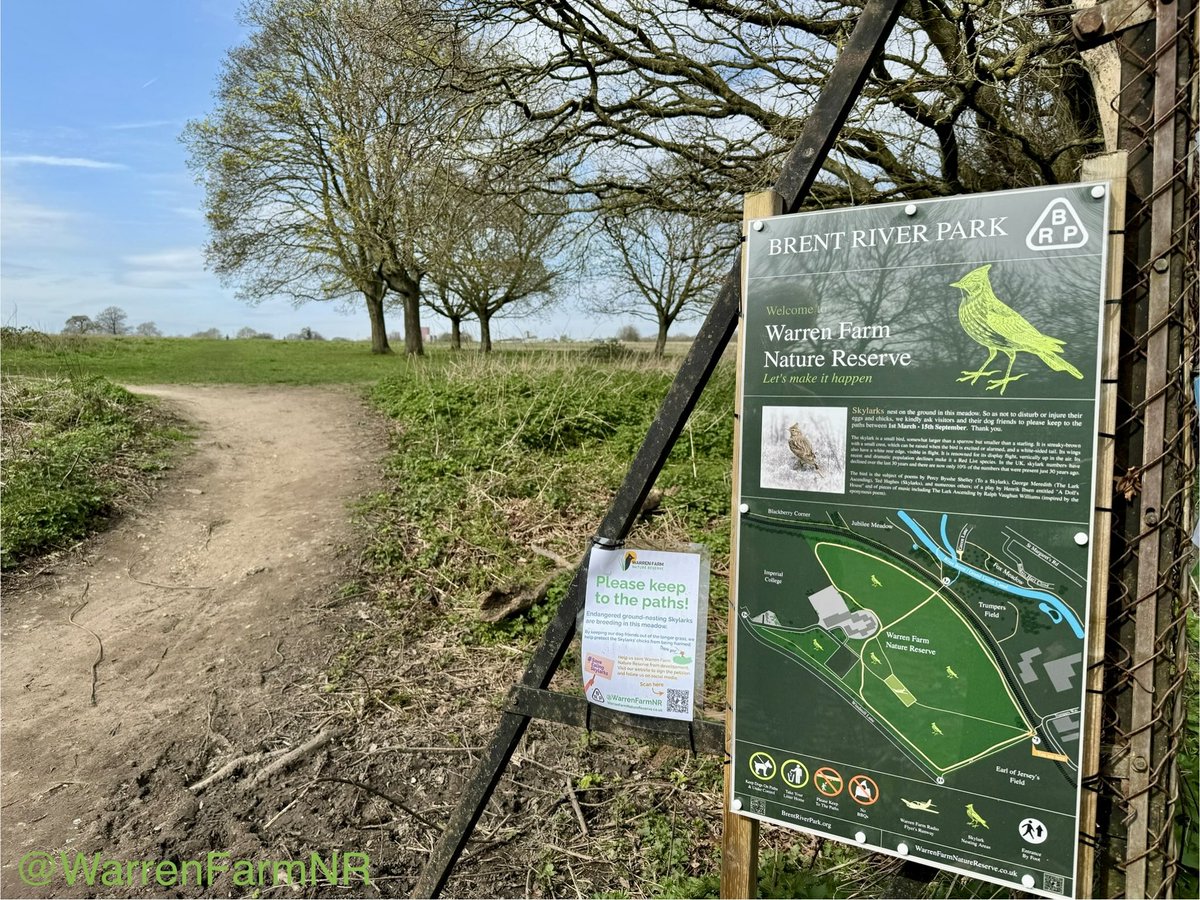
x=758 y=806
x=1056 y=884
x=679 y=701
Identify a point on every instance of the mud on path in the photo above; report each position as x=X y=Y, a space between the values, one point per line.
x=209 y=603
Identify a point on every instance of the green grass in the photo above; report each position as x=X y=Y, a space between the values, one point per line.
x=136 y=360
x=493 y=456
x=72 y=450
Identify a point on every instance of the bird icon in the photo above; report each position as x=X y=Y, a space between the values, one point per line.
x=802 y=449
x=990 y=322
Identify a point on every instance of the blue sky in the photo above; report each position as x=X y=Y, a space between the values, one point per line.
x=97 y=205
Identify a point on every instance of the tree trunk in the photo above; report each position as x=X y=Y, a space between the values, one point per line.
x=379 y=341
x=456 y=332
x=660 y=345
x=485 y=333
x=408 y=286
x=413 y=344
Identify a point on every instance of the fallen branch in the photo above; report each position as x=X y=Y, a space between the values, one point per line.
x=169 y=587
x=559 y=561
x=293 y=756
x=575 y=806
x=230 y=768
x=271 y=821
x=499 y=604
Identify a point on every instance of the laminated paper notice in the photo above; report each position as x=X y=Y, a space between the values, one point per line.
x=644 y=629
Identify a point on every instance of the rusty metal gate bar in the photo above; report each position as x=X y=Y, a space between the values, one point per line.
x=1155 y=460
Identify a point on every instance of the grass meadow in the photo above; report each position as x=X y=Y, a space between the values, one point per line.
x=137 y=360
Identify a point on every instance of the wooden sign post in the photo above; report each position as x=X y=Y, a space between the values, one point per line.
x=739 y=838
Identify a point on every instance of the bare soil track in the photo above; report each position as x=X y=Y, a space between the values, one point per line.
x=206 y=604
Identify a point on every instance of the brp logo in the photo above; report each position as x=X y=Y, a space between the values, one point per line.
x=1057 y=228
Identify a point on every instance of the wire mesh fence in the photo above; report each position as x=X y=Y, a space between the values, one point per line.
x=1146 y=658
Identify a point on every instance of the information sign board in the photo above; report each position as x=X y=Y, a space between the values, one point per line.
x=644 y=627
x=918 y=430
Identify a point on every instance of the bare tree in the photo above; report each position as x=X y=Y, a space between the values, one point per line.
x=329 y=119
x=661 y=266
x=970 y=96
x=147 y=329
x=446 y=303
x=111 y=320
x=499 y=254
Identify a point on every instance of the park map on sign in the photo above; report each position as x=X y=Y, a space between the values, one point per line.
x=914 y=636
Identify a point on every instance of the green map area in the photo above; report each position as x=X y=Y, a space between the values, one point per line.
x=908 y=652
x=913 y=678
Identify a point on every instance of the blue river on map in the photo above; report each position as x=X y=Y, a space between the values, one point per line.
x=1050 y=604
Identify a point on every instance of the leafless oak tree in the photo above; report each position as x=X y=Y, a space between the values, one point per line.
x=111 y=320
x=658 y=265
x=497 y=252
x=970 y=95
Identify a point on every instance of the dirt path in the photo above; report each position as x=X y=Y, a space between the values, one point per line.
x=206 y=603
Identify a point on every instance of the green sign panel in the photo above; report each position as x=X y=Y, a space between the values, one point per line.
x=919 y=391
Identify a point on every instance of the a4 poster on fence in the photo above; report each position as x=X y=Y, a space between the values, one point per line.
x=919 y=392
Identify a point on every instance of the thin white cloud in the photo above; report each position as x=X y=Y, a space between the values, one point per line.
x=139 y=126
x=22 y=214
x=25 y=225
x=76 y=162
x=179 y=259
x=150 y=82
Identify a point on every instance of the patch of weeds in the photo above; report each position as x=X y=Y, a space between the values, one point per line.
x=589 y=780
x=544 y=873
x=73 y=451
x=698 y=773
x=494 y=459
x=682 y=887
x=787 y=873
x=344 y=666
x=350 y=589
x=668 y=846
x=612 y=350
x=663 y=847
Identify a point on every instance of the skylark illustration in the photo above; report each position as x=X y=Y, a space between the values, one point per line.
x=999 y=328
x=806 y=460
